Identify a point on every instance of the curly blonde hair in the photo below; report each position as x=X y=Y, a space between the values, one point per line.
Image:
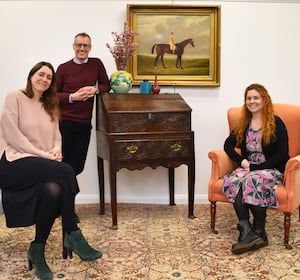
x=268 y=118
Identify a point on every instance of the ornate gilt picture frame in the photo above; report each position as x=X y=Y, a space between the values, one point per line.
x=178 y=44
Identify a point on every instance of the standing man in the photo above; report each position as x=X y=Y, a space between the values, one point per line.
x=77 y=82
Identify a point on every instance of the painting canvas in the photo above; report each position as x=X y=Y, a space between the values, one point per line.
x=179 y=44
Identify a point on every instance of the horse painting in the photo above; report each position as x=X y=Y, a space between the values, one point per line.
x=161 y=49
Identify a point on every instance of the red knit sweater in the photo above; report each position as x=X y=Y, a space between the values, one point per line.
x=70 y=77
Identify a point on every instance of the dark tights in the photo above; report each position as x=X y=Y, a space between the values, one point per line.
x=242 y=209
x=54 y=201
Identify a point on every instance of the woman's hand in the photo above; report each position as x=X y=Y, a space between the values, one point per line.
x=245 y=164
x=55 y=155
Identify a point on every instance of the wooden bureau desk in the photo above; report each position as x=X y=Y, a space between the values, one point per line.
x=139 y=130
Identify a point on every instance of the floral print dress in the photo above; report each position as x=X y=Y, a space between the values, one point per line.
x=258 y=186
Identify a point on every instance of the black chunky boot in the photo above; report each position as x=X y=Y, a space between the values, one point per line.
x=247 y=240
x=259 y=229
x=36 y=257
x=76 y=242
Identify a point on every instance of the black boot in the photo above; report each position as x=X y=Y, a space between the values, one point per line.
x=76 y=242
x=36 y=257
x=247 y=240
x=259 y=229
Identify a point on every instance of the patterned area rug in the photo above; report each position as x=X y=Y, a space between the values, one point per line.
x=157 y=242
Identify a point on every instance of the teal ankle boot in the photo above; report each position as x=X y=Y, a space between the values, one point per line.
x=36 y=258
x=76 y=242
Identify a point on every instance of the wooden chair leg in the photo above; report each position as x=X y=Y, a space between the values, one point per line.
x=63 y=242
x=213 y=209
x=65 y=254
x=287 y=226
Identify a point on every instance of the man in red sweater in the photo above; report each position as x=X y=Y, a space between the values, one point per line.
x=77 y=82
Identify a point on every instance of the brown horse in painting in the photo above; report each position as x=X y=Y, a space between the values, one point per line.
x=161 y=49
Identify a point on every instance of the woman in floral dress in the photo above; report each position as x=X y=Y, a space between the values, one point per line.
x=263 y=142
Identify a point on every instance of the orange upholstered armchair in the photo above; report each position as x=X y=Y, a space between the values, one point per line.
x=289 y=193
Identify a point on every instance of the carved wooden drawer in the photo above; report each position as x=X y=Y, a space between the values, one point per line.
x=161 y=146
x=148 y=122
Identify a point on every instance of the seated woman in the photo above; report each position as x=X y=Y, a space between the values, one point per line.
x=36 y=185
x=263 y=140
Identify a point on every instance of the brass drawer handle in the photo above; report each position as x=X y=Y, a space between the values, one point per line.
x=176 y=147
x=151 y=117
x=132 y=149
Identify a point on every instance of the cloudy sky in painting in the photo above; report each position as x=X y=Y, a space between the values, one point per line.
x=155 y=29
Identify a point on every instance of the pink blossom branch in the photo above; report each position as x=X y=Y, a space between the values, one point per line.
x=124 y=46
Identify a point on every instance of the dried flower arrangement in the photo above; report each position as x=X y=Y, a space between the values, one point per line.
x=124 y=46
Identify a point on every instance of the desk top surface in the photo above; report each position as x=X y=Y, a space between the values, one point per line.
x=138 y=103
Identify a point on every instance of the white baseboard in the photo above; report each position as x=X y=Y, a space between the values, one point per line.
x=179 y=199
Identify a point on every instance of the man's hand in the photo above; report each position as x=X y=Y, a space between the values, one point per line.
x=83 y=93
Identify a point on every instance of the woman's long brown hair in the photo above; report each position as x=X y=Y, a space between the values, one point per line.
x=268 y=119
x=49 y=98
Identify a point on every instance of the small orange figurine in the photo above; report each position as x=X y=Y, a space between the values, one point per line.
x=155 y=86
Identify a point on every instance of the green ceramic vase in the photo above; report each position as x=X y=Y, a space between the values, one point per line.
x=121 y=81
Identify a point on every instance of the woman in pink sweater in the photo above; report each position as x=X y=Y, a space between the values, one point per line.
x=36 y=185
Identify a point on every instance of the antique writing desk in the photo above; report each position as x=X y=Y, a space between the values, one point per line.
x=139 y=130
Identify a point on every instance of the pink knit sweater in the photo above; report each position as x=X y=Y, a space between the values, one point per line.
x=26 y=128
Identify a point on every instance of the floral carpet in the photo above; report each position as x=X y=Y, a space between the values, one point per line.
x=157 y=242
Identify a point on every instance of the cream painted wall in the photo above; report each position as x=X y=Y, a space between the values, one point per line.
x=259 y=43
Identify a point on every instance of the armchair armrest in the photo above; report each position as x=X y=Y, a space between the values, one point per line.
x=221 y=164
x=292 y=182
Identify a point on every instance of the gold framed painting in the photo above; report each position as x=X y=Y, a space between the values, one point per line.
x=180 y=45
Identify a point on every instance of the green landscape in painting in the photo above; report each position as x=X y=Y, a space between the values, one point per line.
x=191 y=65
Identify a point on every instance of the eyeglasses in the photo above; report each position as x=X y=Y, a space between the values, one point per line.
x=85 y=46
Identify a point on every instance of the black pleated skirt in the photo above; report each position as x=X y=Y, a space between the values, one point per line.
x=21 y=182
